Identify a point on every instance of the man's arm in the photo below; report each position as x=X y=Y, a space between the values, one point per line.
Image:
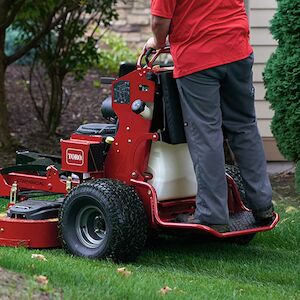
x=160 y=29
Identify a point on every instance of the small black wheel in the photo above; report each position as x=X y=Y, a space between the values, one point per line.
x=103 y=218
x=234 y=172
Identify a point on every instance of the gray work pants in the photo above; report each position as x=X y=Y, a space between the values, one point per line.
x=223 y=95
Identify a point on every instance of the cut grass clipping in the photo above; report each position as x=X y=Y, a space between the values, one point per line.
x=176 y=268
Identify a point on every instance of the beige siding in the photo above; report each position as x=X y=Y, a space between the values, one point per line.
x=260 y=15
x=271 y=149
x=263 y=4
x=261 y=37
x=258 y=72
x=264 y=128
x=262 y=53
x=261 y=18
x=263 y=110
x=259 y=91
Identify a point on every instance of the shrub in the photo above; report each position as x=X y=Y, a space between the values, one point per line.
x=68 y=49
x=282 y=80
x=112 y=51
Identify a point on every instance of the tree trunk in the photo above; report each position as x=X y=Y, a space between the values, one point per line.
x=55 y=106
x=5 y=138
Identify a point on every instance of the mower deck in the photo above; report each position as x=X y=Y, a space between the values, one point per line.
x=36 y=234
x=31 y=224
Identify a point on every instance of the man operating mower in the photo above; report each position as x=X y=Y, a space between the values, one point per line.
x=213 y=61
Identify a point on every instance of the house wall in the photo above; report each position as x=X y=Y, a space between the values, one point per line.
x=134 y=22
x=260 y=13
x=134 y=25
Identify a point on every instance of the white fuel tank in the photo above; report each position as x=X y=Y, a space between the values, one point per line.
x=172 y=170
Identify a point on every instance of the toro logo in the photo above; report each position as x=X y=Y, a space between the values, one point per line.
x=75 y=157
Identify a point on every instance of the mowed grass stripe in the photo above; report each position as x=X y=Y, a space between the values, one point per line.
x=268 y=268
x=81 y=278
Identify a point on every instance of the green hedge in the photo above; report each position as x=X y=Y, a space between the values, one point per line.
x=282 y=80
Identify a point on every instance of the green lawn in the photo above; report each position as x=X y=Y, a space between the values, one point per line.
x=268 y=268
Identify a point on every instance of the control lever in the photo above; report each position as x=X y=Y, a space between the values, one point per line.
x=139 y=107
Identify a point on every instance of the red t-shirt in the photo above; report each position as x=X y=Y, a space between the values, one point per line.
x=205 y=33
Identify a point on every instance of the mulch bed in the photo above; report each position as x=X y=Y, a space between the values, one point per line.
x=84 y=107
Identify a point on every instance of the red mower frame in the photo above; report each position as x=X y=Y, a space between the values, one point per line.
x=126 y=160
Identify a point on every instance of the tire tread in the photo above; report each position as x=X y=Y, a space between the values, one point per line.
x=126 y=212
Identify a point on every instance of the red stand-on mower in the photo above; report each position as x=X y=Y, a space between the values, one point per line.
x=116 y=182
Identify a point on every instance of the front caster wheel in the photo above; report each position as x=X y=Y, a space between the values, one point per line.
x=103 y=219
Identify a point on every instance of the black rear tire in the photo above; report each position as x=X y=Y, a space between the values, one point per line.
x=103 y=218
x=234 y=172
x=243 y=239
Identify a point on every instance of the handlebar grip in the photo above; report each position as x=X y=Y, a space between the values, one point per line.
x=148 y=53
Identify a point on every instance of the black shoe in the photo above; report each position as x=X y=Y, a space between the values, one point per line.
x=187 y=218
x=190 y=219
x=264 y=217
